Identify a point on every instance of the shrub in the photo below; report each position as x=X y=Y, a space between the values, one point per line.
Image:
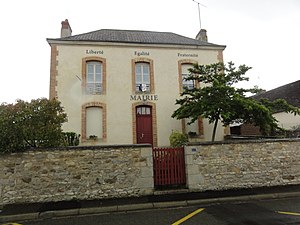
x=11 y=137
x=178 y=139
x=31 y=124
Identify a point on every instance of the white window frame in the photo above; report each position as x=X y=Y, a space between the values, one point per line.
x=94 y=87
x=144 y=85
x=186 y=84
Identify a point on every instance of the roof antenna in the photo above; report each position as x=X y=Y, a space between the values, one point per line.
x=199 y=11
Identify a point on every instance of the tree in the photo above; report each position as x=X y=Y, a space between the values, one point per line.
x=260 y=113
x=31 y=124
x=219 y=100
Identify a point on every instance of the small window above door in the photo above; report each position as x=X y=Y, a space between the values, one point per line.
x=143 y=110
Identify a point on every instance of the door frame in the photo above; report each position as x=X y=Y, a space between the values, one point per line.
x=154 y=121
x=144 y=124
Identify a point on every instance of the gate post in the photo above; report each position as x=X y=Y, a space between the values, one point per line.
x=145 y=180
x=193 y=178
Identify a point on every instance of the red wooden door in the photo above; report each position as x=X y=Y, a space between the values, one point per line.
x=144 y=125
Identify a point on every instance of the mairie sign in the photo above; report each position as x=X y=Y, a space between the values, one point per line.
x=144 y=97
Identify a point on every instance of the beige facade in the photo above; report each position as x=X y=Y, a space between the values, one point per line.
x=117 y=98
x=287 y=121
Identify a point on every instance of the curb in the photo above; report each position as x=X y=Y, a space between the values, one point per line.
x=20 y=217
x=141 y=206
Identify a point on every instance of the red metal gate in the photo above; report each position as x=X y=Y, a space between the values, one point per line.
x=169 y=167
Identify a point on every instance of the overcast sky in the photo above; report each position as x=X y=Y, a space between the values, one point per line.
x=263 y=34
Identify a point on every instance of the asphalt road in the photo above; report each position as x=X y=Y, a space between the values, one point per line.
x=266 y=212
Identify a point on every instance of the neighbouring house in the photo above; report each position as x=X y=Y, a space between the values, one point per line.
x=288 y=121
x=120 y=86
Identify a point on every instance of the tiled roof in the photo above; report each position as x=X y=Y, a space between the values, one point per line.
x=289 y=92
x=139 y=37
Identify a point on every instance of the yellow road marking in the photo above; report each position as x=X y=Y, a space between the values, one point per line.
x=289 y=213
x=11 y=224
x=188 y=216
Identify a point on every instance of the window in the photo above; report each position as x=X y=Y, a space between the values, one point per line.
x=94 y=78
x=188 y=84
x=183 y=72
x=94 y=75
x=142 y=77
x=94 y=122
x=191 y=128
x=143 y=110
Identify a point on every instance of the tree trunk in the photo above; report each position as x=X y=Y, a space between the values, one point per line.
x=214 y=130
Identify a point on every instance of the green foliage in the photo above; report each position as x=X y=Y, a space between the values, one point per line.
x=296 y=128
x=219 y=100
x=31 y=124
x=178 y=139
x=260 y=113
x=294 y=132
x=93 y=137
x=10 y=133
x=280 y=105
x=71 y=138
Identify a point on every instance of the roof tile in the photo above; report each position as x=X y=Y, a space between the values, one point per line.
x=140 y=37
x=289 y=92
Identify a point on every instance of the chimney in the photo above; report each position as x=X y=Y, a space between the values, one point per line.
x=65 y=29
x=202 y=36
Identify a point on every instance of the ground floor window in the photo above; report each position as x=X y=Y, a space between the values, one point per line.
x=94 y=126
x=193 y=130
x=94 y=121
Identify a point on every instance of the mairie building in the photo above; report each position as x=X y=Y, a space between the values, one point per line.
x=120 y=86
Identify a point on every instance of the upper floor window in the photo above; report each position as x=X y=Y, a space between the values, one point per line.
x=183 y=72
x=94 y=78
x=188 y=84
x=142 y=77
x=94 y=75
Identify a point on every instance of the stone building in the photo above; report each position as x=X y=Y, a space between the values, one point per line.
x=120 y=86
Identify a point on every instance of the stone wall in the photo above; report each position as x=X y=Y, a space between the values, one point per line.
x=99 y=172
x=248 y=164
x=76 y=173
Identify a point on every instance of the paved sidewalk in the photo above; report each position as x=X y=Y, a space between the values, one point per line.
x=161 y=199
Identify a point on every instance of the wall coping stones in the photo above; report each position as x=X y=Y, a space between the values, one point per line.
x=83 y=147
x=244 y=141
